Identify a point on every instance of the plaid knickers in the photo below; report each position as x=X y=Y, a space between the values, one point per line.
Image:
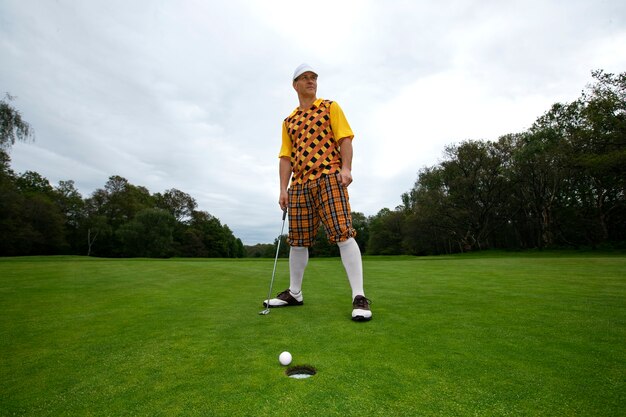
x=322 y=200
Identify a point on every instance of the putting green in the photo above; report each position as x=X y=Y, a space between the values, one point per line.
x=487 y=334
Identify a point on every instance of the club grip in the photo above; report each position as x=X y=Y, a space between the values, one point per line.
x=284 y=214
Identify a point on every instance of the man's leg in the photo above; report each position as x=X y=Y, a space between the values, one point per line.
x=337 y=220
x=351 y=258
x=298 y=259
x=303 y=223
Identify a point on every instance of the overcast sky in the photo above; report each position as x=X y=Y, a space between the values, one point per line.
x=191 y=94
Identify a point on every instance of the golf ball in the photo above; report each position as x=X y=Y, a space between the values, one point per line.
x=284 y=358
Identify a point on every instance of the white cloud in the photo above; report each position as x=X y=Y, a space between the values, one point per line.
x=442 y=109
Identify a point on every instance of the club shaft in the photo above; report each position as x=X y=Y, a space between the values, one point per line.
x=269 y=294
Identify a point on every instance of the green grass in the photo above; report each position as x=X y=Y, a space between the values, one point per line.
x=495 y=334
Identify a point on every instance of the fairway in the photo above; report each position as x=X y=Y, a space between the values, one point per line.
x=488 y=334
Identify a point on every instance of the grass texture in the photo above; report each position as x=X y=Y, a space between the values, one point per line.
x=480 y=335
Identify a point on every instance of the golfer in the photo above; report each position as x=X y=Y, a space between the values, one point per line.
x=316 y=155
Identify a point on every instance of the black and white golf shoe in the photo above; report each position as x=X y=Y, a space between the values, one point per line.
x=284 y=299
x=361 y=309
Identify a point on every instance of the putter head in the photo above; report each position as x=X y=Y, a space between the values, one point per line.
x=264 y=312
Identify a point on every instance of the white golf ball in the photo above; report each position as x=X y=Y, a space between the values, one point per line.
x=284 y=358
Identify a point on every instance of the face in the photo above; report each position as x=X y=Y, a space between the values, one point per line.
x=306 y=84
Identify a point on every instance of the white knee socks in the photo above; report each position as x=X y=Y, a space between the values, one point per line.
x=298 y=258
x=351 y=258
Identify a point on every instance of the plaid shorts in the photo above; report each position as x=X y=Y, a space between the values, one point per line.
x=325 y=201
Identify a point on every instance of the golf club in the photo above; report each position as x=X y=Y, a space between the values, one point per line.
x=269 y=294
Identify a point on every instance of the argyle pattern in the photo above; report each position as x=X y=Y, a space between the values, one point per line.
x=314 y=148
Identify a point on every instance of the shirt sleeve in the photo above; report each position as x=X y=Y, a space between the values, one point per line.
x=285 y=149
x=339 y=123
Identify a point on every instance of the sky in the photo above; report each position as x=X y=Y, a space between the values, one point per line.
x=191 y=94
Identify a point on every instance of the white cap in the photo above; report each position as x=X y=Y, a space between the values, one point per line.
x=302 y=68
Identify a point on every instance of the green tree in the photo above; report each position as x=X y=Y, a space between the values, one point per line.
x=123 y=200
x=42 y=232
x=598 y=152
x=428 y=229
x=70 y=201
x=181 y=205
x=31 y=222
x=72 y=207
x=12 y=126
x=540 y=172
x=10 y=206
x=476 y=184
x=95 y=227
x=149 y=234
x=209 y=229
x=206 y=237
x=31 y=182
x=261 y=250
x=239 y=249
x=119 y=202
x=386 y=233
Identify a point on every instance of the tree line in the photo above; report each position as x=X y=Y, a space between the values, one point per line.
x=119 y=220
x=561 y=183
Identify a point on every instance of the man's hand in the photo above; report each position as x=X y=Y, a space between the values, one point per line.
x=284 y=170
x=283 y=200
x=345 y=149
x=345 y=176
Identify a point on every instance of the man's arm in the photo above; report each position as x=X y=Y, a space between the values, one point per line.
x=345 y=149
x=284 y=171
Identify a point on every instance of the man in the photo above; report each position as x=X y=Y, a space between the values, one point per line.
x=316 y=154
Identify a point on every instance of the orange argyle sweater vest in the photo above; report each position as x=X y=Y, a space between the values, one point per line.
x=314 y=149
